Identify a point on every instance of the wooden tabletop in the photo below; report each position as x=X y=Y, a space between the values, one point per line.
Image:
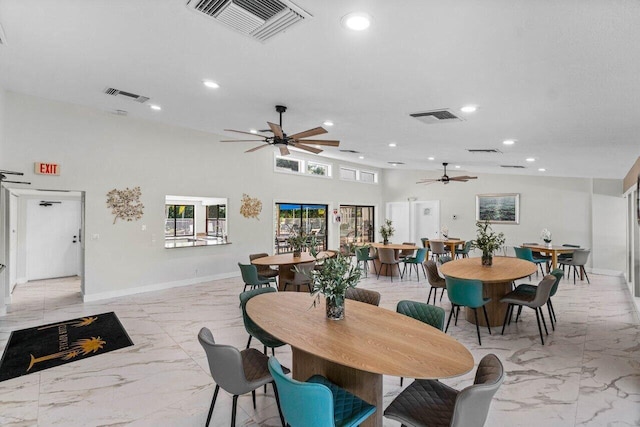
x=396 y=246
x=286 y=259
x=449 y=241
x=369 y=338
x=545 y=248
x=504 y=269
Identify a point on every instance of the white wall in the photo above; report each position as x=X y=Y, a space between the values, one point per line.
x=4 y=210
x=576 y=210
x=99 y=151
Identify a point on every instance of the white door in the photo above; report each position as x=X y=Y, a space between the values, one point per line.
x=426 y=220
x=399 y=214
x=52 y=242
x=13 y=241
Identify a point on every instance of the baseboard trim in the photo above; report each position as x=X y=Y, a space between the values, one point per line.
x=156 y=287
x=21 y=280
x=605 y=272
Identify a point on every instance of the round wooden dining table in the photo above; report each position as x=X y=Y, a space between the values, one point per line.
x=286 y=262
x=496 y=281
x=356 y=351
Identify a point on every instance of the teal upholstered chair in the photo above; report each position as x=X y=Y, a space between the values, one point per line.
x=363 y=256
x=254 y=330
x=531 y=290
x=467 y=293
x=464 y=252
x=426 y=313
x=264 y=271
x=421 y=255
x=317 y=402
x=250 y=277
x=527 y=255
x=443 y=259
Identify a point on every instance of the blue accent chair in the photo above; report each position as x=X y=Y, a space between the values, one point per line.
x=466 y=293
x=414 y=261
x=527 y=255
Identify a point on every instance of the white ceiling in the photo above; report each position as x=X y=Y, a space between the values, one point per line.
x=562 y=77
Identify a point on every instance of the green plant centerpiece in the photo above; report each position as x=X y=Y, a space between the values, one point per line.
x=386 y=231
x=298 y=241
x=487 y=241
x=332 y=280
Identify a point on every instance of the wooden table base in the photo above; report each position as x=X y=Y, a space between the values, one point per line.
x=365 y=385
x=495 y=309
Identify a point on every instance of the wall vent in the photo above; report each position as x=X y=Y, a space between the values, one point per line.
x=259 y=19
x=131 y=96
x=436 y=116
x=512 y=166
x=484 y=150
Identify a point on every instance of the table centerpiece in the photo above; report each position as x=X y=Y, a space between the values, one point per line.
x=386 y=231
x=546 y=236
x=332 y=280
x=487 y=241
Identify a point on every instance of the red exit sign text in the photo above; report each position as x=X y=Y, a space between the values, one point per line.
x=47 y=168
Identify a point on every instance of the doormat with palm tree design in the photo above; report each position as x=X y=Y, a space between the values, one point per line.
x=35 y=349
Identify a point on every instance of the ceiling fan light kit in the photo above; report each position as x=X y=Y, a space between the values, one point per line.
x=283 y=141
x=445 y=179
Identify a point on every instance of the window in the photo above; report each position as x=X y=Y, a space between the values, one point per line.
x=291 y=218
x=179 y=220
x=348 y=174
x=216 y=220
x=357 y=225
x=288 y=165
x=303 y=167
x=352 y=174
x=318 y=169
x=370 y=177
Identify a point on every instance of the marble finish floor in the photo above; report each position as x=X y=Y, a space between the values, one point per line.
x=586 y=374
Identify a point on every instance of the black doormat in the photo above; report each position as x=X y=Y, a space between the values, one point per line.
x=35 y=349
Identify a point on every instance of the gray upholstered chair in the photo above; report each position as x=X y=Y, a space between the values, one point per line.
x=388 y=258
x=435 y=280
x=534 y=301
x=531 y=289
x=254 y=330
x=264 y=271
x=429 y=314
x=407 y=253
x=432 y=403
x=301 y=276
x=437 y=249
x=577 y=261
x=236 y=372
x=363 y=295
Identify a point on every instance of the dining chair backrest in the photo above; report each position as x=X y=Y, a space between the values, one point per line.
x=473 y=402
x=425 y=242
x=250 y=274
x=251 y=327
x=362 y=253
x=421 y=255
x=464 y=292
x=225 y=364
x=580 y=256
x=543 y=291
x=430 y=314
x=302 y=271
x=363 y=295
x=524 y=253
x=558 y=273
x=386 y=255
x=407 y=252
x=303 y=404
x=437 y=247
x=432 y=274
x=444 y=259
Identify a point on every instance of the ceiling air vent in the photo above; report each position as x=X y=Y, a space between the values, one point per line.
x=484 y=150
x=512 y=166
x=349 y=151
x=121 y=93
x=259 y=19
x=436 y=116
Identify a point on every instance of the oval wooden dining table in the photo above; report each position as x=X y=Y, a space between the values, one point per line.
x=496 y=279
x=357 y=351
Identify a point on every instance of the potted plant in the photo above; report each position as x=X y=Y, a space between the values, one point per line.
x=487 y=241
x=386 y=231
x=332 y=281
x=297 y=241
x=546 y=236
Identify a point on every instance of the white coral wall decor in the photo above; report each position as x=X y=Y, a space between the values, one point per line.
x=125 y=204
x=250 y=207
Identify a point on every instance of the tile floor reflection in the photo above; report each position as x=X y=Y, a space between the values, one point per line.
x=587 y=374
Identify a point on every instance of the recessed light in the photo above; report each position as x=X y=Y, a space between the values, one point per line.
x=327 y=123
x=155 y=107
x=509 y=141
x=530 y=159
x=469 y=108
x=457 y=166
x=396 y=163
x=361 y=157
x=210 y=84
x=432 y=158
x=542 y=170
x=356 y=21
x=393 y=144
x=253 y=131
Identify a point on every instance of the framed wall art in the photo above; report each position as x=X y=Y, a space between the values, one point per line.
x=501 y=208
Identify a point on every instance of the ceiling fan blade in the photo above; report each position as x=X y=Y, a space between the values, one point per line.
x=307 y=133
x=284 y=151
x=427 y=181
x=17 y=182
x=248 y=133
x=329 y=142
x=276 y=129
x=306 y=148
x=240 y=140
x=464 y=177
x=256 y=148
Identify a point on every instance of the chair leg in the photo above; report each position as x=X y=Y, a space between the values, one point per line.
x=424 y=271
x=253 y=397
x=264 y=350
x=457 y=314
x=539 y=328
x=486 y=318
x=233 y=410
x=213 y=402
x=401 y=381
x=518 y=315
x=475 y=313
x=399 y=272
x=275 y=393
x=543 y=321
x=374 y=267
x=551 y=316
x=453 y=307
x=441 y=295
x=506 y=317
x=553 y=312
x=585 y=273
x=378 y=272
x=429 y=297
x=249 y=342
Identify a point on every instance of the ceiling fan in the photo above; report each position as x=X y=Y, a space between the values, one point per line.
x=283 y=141
x=445 y=179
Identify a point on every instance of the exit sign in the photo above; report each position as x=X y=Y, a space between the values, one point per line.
x=47 y=168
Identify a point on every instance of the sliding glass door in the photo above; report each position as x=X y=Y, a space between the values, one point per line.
x=357 y=226
x=292 y=218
